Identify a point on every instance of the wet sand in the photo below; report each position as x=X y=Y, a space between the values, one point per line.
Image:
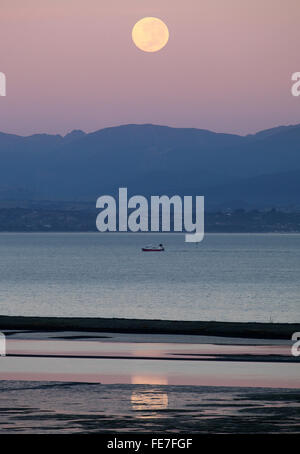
x=69 y=381
x=55 y=407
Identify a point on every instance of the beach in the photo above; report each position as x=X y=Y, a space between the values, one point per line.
x=80 y=408
x=108 y=375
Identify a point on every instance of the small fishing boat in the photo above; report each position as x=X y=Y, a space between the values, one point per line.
x=158 y=248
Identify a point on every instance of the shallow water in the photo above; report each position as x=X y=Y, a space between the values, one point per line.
x=200 y=371
x=227 y=277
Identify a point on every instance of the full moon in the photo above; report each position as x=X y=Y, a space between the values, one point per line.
x=150 y=34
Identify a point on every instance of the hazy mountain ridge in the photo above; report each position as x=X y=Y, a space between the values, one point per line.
x=254 y=170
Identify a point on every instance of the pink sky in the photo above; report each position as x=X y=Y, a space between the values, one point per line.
x=72 y=64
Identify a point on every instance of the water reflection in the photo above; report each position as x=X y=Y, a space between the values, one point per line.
x=149 y=399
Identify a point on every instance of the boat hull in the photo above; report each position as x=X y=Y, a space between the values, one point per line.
x=152 y=250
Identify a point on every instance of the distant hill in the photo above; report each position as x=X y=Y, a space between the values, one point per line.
x=230 y=170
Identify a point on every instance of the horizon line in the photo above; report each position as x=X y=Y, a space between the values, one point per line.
x=295 y=125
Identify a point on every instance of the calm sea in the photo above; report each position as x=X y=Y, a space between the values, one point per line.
x=227 y=277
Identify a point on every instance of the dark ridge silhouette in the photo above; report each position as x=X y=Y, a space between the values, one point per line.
x=258 y=170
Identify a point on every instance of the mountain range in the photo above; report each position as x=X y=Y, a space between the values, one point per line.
x=258 y=170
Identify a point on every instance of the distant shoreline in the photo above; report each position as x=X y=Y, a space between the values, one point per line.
x=61 y=218
x=254 y=330
x=96 y=232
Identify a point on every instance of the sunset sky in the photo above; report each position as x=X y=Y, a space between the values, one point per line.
x=71 y=64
